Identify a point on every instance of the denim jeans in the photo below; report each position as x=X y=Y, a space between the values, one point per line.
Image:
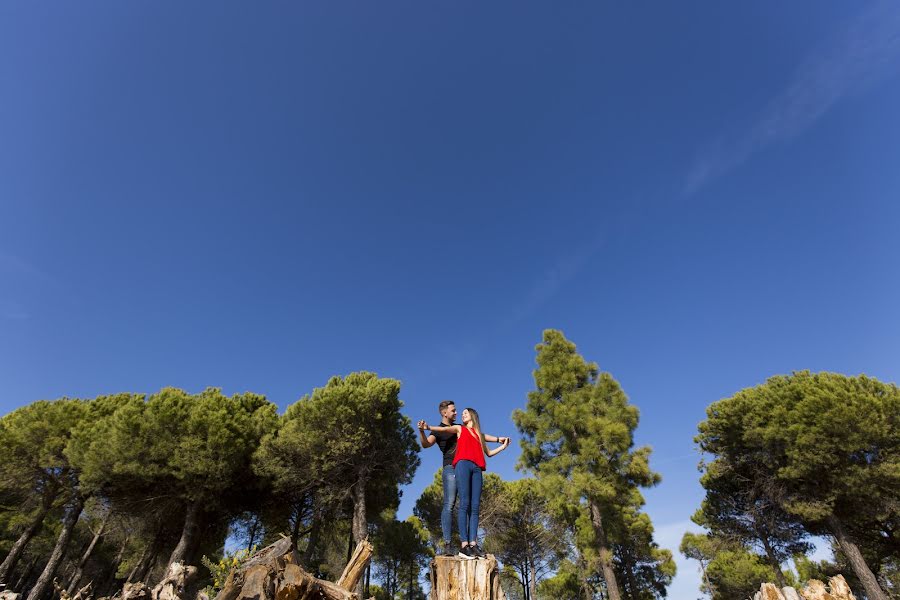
x=449 y=480
x=468 y=482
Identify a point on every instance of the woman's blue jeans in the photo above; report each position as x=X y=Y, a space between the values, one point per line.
x=448 y=478
x=468 y=482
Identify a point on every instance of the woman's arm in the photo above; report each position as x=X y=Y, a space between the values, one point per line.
x=493 y=438
x=443 y=428
x=500 y=449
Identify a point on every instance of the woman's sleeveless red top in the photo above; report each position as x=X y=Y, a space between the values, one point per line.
x=468 y=447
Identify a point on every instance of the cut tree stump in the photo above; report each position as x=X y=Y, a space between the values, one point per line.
x=454 y=578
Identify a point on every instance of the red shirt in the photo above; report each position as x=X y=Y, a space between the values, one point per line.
x=468 y=447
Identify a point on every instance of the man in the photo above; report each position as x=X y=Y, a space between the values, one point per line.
x=447 y=443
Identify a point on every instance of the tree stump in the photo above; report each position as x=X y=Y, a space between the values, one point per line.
x=454 y=578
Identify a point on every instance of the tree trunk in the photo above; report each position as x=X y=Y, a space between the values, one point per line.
x=360 y=525
x=773 y=560
x=132 y=576
x=9 y=563
x=79 y=569
x=314 y=530
x=368 y=578
x=29 y=570
x=709 y=585
x=851 y=551
x=104 y=588
x=189 y=534
x=454 y=578
x=62 y=542
x=606 y=565
x=411 y=566
x=532 y=581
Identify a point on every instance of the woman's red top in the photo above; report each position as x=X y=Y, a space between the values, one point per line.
x=468 y=447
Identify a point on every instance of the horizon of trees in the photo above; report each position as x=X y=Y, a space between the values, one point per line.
x=116 y=488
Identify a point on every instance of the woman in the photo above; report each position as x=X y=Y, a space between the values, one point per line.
x=468 y=463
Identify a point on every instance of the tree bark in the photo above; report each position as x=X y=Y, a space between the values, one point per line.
x=455 y=578
x=776 y=566
x=79 y=569
x=189 y=534
x=24 y=576
x=62 y=542
x=851 y=551
x=110 y=577
x=360 y=525
x=9 y=563
x=314 y=530
x=532 y=581
x=368 y=578
x=606 y=565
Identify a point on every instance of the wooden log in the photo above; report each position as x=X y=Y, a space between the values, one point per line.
x=135 y=591
x=356 y=567
x=274 y=573
x=768 y=591
x=839 y=588
x=815 y=590
x=454 y=578
x=175 y=583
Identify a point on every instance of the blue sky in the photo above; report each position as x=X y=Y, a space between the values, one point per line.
x=257 y=196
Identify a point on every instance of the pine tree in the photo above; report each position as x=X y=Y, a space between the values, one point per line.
x=577 y=433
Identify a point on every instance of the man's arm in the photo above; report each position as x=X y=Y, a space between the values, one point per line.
x=426 y=441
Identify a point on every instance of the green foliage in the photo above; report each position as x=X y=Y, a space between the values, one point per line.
x=644 y=568
x=33 y=441
x=522 y=532
x=428 y=509
x=729 y=569
x=565 y=583
x=401 y=552
x=819 y=450
x=578 y=439
x=221 y=569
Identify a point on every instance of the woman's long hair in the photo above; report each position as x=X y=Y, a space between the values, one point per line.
x=476 y=424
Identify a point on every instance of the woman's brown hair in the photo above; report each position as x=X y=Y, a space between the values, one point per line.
x=476 y=424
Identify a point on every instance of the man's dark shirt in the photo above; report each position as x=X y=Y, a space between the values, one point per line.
x=447 y=443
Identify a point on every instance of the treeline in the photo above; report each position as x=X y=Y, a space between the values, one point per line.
x=799 y=456
x=117 y=488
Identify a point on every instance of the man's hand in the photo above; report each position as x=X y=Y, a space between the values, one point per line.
x=422 y=425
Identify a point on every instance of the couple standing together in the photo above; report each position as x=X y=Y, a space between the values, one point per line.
x=464 y=448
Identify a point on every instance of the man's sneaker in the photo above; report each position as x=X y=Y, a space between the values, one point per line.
x=466 y=552
x=477 y=551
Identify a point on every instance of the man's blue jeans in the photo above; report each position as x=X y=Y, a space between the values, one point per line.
x=468 y=481
x=448 y=478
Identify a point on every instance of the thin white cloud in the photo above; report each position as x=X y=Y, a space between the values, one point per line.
x=549 y=283
x=864 y=54
x=12 y=264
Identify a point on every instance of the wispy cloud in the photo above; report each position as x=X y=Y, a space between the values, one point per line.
x=10 y=263
x=551 y=281
x=865 y=53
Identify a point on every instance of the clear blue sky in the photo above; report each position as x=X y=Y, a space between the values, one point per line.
x=257 y=196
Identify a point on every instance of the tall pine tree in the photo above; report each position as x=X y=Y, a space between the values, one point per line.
x=578 y=430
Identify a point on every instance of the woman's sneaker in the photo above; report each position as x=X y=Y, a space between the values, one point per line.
x=477 y=551
x=466 y=552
